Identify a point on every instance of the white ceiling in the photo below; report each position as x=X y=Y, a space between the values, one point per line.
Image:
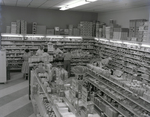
x=98 y=6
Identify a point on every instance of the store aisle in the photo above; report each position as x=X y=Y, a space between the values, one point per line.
x=14 y=101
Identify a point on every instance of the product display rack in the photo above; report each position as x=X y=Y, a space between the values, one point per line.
x=15 y=45
x=100 y=80
x=34 y=97
x=124 y=56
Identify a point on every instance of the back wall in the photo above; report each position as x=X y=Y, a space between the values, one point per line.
x=123 y=16
x=50 y=18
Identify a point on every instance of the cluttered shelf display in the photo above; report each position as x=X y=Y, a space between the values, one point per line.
x=53 y=94
x=15 y=46
x=121 y=88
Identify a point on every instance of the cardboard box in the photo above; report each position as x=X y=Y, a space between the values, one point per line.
x=8 y=29
x=13 y=27
x=41 y=29
x=50 y=31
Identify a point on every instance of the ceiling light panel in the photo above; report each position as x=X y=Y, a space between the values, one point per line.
x=10 y=2
x=73 y=4
x=93 y=5
x=37 y=3
x=23 y=2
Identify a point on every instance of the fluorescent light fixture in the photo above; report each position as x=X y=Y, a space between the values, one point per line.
x=115 y=41
x=74 y=37
x=130 y=43
x=90 y=0
x=103 y=39
x=144 y=45
x=11 y=35
x=54 y=36
x=76 y=4
x=35 y=36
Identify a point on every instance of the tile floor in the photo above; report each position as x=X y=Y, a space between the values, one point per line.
x=14 y=101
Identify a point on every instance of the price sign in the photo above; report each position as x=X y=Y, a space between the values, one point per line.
x=80 y=77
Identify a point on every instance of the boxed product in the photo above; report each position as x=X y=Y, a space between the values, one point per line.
x=70 y=26
x=34 y=27
x=18 y=26
x=57 y=31
x=50 y=31
x=76 y=32
x=66 y=31
x=25 y=27
x=41 y=29
x=8 y=29
x=62 y=32
x=22 y=26
x=70 y=31
x=13 y=27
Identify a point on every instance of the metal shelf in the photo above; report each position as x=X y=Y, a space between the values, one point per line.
x=113 y=98
x=101 y=110
x=119 y=91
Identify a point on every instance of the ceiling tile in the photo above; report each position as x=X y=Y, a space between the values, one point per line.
x=23 y=2
x=51 y=3
x=10 y=2
x=37 y=3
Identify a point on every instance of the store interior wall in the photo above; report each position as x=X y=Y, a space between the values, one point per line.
x=50 y=18
x=123 y=16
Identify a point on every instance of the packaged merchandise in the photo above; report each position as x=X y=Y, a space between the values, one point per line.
x=41 y=29
x=57 y=30
x=50 y=31
x=14 y=27
x=8 y=29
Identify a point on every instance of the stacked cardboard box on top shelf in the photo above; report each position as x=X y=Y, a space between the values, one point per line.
x=120 y=33
x=18 y=27
x=34 y=27
x=86 y=28
x=138 y=30
x=23 y=27
x=13 y=27
x=142 y=34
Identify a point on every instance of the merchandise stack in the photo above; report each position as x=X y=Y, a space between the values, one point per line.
x=13 y=27
x=108 y=31
x=34 y=27
x=50 y=31
x=86 y=28
x=134 y=33
x=18 y=27
x=142 y=34
x=66 y=31
x=120 y=33
x=76 y=32
x=70 y=27
x=23 y=27
x=97 y=30
x=8 y=29
x=57 y=30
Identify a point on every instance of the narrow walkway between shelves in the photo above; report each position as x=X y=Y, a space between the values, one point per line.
x=14 y=100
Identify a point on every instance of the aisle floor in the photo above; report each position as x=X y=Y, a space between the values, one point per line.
x=14 y=100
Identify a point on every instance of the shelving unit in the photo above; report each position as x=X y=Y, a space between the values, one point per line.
x=99 y=81
x=124 y=56
x=42 y=90
x=15 y=45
